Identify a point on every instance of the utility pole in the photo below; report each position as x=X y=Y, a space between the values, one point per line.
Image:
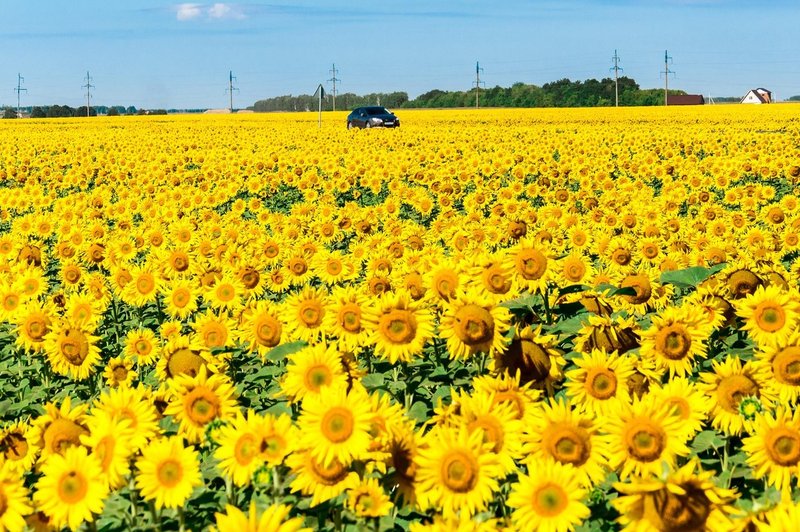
x=478 y=83
x=88 y=88
x=231 y=88
x=667 y=72
x=19 y=89
x=617 y=69
x=334 y=79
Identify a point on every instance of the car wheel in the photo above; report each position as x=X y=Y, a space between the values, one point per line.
x=367 y=125
x=349 y=125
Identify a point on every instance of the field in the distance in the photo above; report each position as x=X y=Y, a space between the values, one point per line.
x=532 y=319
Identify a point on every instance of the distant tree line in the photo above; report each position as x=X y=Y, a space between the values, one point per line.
x=794 y=98
x=65 y=111
x=347 y=100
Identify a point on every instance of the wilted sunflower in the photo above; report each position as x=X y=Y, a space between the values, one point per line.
x=72 y=488
x=399 y=327
x=457 y=472
x=274 y=518
x=677 y=335
x=687 y=499
x=334 y=425
x=168 y=472
x=548 y=499
x=197 y=401
x=771 y=314
x=773 y=448
x=533 y=357
x=607 y=333
x=556 y=431
x=311 y=369
x=599 y=383
x=471 y=325
x=643 y=434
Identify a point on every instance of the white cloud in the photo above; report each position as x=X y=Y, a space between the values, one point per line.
x=188 y=11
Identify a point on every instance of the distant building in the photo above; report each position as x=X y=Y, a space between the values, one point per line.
x=757 y=96
x=217 y=111
x=686 y=99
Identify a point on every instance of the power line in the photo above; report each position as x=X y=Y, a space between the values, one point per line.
x=231 y=88
x=334 y=79
x=19 y=90
x=617 y=69
x=88 y=88
x=667 y=72
x=478 y=82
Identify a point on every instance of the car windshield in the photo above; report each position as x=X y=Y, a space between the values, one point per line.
x=374 y=111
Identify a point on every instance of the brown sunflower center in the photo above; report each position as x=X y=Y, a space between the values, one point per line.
x=246 y=449
x=672 y=512
x=742 y=283
x=644 y=440
x=641 y=285
x=492 y=431
x=495 y=280
x=601 y=383
x=120 y=373
x=13 y=446
x=531 y=264
x=350 y=317
x=568 y=443
x=769 y=316
x=225 y=292
x=459 y=472
x=36 y=328
x=399 y=326
x=474 y=325
x=145 y=284
x=337 y=424
x=74 y=346
x=549 y=500
x=783 y=446
x=169 y=473
x=272 y=446
x=181 y=297
x=298 y=266
x=574 y=270
x=333 y=267
x=185 y=362
x=72 y=487
x=214 y=335
x=310 y=313
x=268 y=331
x=673 y=341
x=202 y=405
x=250 y=277
x=329 y=475
x=786 y=366
x=318 y=376
x=732 y=389
x=445 y=284
x=180 y=261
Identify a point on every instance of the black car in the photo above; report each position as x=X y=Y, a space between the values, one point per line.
x=372 y=117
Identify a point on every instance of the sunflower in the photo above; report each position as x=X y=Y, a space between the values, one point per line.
x=770 y=313
x=471 y=325
x=15 y=501
x=492 y=277
x=368 y=499
x=168 y=472
x=782 y=363
x=687 y=499
x=180 y=356
x=399 y=327
x=330 y=267
x=304 y=314
x=59 y=428
x=72 y=350
x=773 y=448
x=646 y=290
x=260 y=327
x=142 y=345
x=556 y=431
x=599 y=383
x=322 y=482
x=607 y=333
x=133 y=405
x=72 y=488
x=239 y=451
x=18 y=449
x=643 y=434
x=533 y=356
x=197 y=401
x=279 y=437
x=143 y=286
x=180 y=298
x=33 y=322
x=311 y=369
x=119 y=372
x=82 y=311
x=727 y=386
x=506 y=389
x=213 y=330
x=334 y=425
x=575 y=269
x=226 y=293
x=345 y=318
x=548 y=499
x=109 y=441
x=675 y=338
x=272 y=519
x=531 y=265
x=498 y=424
x=456 y=471
x=687 y=402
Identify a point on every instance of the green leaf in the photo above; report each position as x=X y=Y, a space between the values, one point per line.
x=689 y=277
x=708 y=439
x=373 y=380
x=279 y=353
x=418 y=412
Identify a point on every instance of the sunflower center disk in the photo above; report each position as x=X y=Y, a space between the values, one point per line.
x=674 y=342
x=731 y=390
x=268 y=332
x=783 y=446
x=474 y=325
x=203 y=406
x=337 y=424
x=246 y=449
x=74 y=346
x=601 y=383
x=13 y=447
x=550 y=500
x=185 y=361
x=169 y=473
x=531 y=264
x=786 y=366
x=769 y=317
x=645 y=442
x=568 y=445
x=317 y=377
x=120 y=373
x=399 y=326
x=331 y=475
x=350 y=319
x=311 y=314
x=459 y=472
x=63 y=433
x=72 y=487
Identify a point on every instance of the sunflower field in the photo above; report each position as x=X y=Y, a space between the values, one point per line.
x=485 y=320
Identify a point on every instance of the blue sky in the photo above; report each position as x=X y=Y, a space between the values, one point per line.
x=152 y=53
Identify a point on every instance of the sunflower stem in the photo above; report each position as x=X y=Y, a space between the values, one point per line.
x=546 y=299
x=276 y=484
x=181 y=519
x=156 y=516
x=134 y=511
